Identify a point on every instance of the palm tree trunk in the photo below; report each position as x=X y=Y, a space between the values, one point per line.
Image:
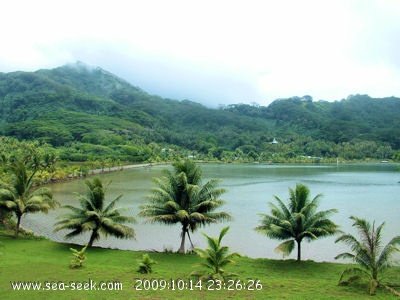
x=182 y=247
x=191 y=243
x=298 y=250
x=92 y=238
x=17 y=227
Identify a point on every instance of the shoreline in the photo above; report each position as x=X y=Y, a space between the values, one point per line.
x=94 y=172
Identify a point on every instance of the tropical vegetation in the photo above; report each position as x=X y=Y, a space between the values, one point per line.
x=89 y=114
x=20 y=196
x=297 y=221
x=181 y=197
x=368 y=252
x=78 y=257
x=146 y=264
x=95 y=216
x=215 y=258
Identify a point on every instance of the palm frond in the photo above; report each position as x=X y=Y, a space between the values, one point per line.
x=354 y=274
x=7 y=195
x=73 y=233
x=212 y=217
x=166 y=219
x=182 y=215
x=364 y=229
x=74 y=210
x=112 y=204
x=222 y=234
x=171 y=206
x=9 y=205
x=283 y=212
x=385 y=258
x=122 y=219
x=345 y=255
x=286 y=247
x=197 y=217
x=109 y=227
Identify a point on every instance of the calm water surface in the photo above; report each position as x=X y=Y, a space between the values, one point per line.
x=369 y=191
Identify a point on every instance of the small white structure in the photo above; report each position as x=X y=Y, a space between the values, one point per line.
x=274 y=141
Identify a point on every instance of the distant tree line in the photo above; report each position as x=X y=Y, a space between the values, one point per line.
x=90 y=114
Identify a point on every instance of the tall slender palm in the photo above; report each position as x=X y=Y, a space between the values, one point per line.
x=94 y=216
x=297 y=221
x=368 y=253
x=181 y=198
x=21 y=197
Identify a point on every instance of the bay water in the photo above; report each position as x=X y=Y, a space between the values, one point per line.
x=370 y=191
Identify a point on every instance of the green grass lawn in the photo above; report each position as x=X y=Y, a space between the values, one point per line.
x=45 y=261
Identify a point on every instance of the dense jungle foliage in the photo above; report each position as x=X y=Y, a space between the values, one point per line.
x=89 y=114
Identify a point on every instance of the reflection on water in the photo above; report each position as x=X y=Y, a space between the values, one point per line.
x=367 y=191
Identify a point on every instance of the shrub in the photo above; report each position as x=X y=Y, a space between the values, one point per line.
x=78 y=258
x=145 y=264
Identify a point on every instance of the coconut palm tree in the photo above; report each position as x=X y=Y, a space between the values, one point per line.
x=216 y=258
x=20 y=196
x=95 y=216
x=180 y=197
x=368 y=253
x=298 y=221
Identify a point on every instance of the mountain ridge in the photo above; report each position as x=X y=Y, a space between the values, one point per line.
x=75 y=102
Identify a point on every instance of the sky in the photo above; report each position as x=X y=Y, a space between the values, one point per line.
x=214 y=52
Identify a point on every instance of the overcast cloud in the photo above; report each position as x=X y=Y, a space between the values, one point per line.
x=215 y=52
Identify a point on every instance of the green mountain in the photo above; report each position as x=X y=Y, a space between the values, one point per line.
x=92 y=112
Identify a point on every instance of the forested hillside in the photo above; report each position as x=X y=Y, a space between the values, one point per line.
x=89 y=113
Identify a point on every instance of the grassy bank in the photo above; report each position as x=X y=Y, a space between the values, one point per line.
x=46 y=261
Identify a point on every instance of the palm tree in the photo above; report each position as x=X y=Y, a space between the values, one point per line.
x=297 y=221
x=181 y=198
x=21 y=197
x=216 y=258
x=192 y=171
x=368 y=253
x=94 y=216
